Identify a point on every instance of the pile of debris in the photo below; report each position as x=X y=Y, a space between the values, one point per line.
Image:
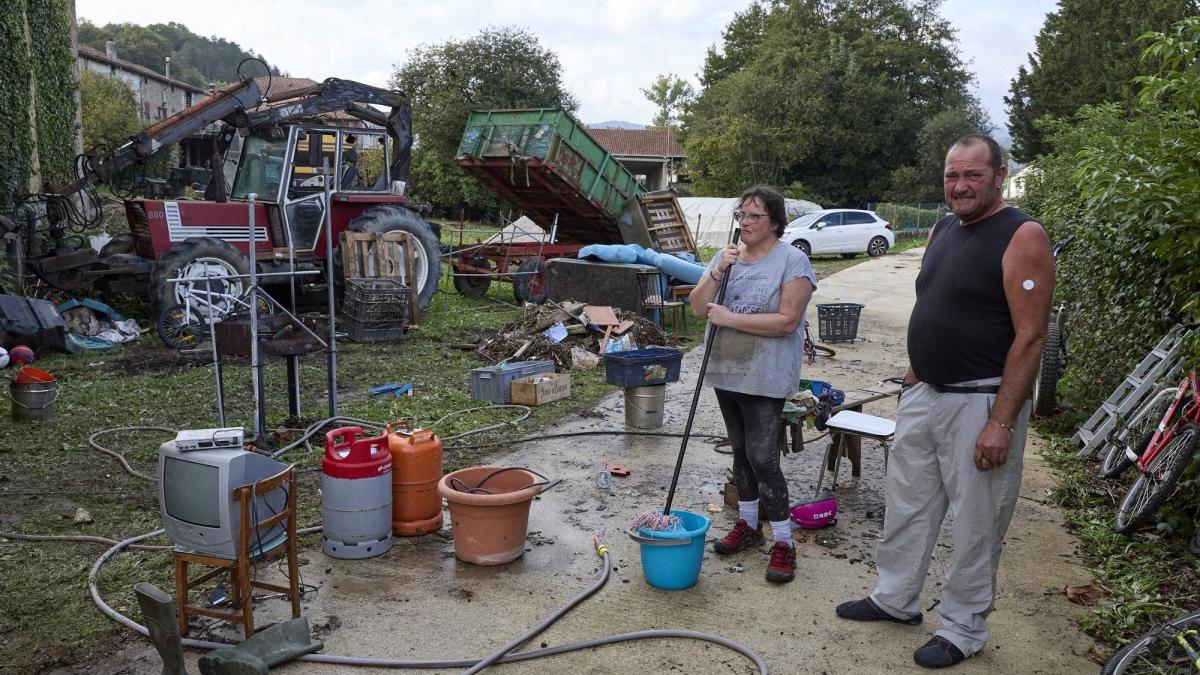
x=571 y=334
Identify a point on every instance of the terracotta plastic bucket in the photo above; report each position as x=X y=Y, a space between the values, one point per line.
x=490 y=522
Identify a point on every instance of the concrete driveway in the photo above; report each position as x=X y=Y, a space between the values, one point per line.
x=419 y=602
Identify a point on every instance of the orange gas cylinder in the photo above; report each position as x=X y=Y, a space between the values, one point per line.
x=416 y=471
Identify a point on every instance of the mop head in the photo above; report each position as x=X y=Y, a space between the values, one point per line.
x=656 y=521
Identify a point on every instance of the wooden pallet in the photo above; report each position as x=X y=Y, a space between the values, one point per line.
x=383 y=255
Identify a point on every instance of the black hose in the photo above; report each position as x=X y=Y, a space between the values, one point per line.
x=708 y=343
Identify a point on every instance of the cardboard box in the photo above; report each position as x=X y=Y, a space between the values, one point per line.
x=539 y=389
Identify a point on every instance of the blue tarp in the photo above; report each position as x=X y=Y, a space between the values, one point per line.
x=671 y=265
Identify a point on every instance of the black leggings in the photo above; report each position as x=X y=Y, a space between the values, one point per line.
x=752 y=423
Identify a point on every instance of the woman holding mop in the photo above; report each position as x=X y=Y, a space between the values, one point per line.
x=755 y=364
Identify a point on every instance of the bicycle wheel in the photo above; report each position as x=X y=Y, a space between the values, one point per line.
x=1116 y=462
x=1194 y=542
x=1152 y=488
x=1141 y=425
x=179 y=328
x=1159 y=650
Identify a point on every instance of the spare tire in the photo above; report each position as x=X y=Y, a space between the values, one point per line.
x=426 y=256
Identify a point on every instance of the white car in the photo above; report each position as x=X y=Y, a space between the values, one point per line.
x=845 y=231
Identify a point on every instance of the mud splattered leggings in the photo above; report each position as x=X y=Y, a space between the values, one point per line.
x=752 y=423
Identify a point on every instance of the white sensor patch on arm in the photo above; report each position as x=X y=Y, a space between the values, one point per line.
x=1028 y=284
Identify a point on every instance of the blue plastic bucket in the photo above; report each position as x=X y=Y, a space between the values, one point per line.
x=671 y=560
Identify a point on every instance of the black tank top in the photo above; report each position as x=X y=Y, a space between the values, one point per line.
x=960 y=327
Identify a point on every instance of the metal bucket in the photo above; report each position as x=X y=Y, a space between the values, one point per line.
x=33 y=401
x=644 y=406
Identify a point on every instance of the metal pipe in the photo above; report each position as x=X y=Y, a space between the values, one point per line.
x=331 y=364
x=256 y=373
x=217 y=375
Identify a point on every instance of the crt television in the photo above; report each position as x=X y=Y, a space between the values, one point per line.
x=196 y=500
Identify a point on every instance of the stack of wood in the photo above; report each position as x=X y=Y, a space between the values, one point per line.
x=587 y=327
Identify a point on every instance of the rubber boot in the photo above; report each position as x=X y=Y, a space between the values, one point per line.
x=278 y=644
x=158 y=611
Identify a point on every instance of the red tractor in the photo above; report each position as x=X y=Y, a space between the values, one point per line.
x=274 y=146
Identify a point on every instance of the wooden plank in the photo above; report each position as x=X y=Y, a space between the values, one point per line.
x=601 y=315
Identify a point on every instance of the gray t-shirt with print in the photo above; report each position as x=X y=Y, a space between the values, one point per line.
x=753 y=364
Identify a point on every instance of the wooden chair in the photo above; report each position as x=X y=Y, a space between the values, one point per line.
x=242 y=581
x=654 y=293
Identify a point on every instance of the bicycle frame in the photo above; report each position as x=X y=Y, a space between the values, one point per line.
x=1188 y=393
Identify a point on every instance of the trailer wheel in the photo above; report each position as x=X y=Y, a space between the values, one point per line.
x=196 y=259
x=472 y=286
x=426 y=257
x=531 y=284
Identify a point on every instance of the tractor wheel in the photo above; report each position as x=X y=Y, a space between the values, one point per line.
x=531 y=284
x=196 y=259
x=472 y=286
x=426 y=257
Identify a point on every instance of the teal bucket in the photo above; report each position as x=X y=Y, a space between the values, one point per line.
x=671 y=560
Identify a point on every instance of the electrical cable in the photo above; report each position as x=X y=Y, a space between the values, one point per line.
x=499 y=656
x=121 y=458
x=569 y=434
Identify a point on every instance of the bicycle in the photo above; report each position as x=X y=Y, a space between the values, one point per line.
x=1140 y=429
x=1167 y=454
x=182 y=324
x=811 y=348
x=1170 y=647
x=1054 y=353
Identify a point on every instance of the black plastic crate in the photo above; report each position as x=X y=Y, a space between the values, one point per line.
x=374 y=310
x=838 y=322
x=374 y=291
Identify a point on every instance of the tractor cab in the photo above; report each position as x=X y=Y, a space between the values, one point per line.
x=288 y=175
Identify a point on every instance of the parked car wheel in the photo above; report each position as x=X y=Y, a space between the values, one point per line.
x=803 y=246
x=877 y=247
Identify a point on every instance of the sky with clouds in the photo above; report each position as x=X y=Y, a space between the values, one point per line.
x=609 y=49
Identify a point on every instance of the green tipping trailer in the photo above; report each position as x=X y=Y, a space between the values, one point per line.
x=543 y=162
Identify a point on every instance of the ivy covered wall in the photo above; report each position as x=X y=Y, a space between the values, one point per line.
x=16 y=136
x=37 y=95
x=53 y=62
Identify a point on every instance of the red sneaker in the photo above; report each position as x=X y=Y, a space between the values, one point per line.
x=782 y=567
x=740 y=538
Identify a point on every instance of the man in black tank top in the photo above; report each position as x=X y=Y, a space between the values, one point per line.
x=974 y=342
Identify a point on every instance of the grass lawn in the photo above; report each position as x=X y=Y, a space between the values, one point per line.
x=48 y=470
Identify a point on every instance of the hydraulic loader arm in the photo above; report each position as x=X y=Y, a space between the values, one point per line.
x=354 y=98
x=228 y=104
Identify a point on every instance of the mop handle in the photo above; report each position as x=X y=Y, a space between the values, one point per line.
x=708 y=342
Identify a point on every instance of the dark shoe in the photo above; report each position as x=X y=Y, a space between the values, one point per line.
x=866 y=610
x=742 y=537
x=782 y=567
x=938 y=653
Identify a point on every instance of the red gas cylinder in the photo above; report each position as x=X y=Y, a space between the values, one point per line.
x=416 y=471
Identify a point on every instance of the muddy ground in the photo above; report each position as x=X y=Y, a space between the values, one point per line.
x=419 y=602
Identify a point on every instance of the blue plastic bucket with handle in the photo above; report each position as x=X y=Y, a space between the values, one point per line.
x=671 y=560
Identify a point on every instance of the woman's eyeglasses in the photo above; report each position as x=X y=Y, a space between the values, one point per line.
x=743 y=217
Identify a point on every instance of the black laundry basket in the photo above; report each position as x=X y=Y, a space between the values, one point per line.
x=838 y=322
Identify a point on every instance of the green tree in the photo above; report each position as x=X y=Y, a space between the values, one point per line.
x=828 y=94
x=922 y=182
x=109 y=109
x=195 y=59
x=1086 y=53
x=672 y=95
x=497 y=68
x=1124 y=182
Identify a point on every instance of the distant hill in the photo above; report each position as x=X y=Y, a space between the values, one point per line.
x=195 y=59
x=616 y=124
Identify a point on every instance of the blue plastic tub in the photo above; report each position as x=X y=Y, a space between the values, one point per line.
x=643 y=367
x=671 y=560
